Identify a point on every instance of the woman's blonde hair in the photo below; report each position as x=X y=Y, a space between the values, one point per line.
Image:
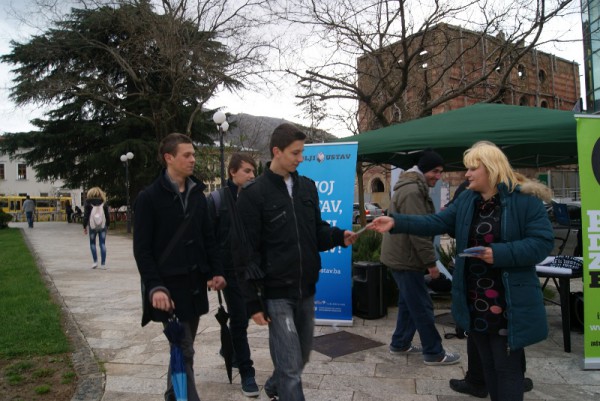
x=96 y=193
x=495 y=162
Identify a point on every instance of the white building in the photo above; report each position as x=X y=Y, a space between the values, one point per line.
x=18 y=178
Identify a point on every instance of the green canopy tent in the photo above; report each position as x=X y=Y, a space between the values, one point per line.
x=529 y=136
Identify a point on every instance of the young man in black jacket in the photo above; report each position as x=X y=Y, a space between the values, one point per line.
x=175 y=275
x=241 y=169
x=281 y=214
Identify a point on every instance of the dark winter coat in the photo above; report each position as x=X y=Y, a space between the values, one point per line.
x=194 y=259
x=526 y=239
x=287 y=234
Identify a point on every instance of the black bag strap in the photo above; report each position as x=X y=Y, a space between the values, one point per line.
x=175 y=238
x=216 y=197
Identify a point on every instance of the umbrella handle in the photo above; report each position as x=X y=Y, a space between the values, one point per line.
x=220 y=298
x=261 y=301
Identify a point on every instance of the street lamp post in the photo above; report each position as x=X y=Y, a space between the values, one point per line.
x=125 y=159
x=221 y=120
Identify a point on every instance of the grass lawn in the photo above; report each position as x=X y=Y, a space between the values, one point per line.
x=34 y=350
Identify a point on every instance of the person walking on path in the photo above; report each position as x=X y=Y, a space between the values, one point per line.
x=408 y=256
x=175 y=249
x=29 y=209
x=503 y=230
x=281 y=214
x=241 y=169
x=95 y=223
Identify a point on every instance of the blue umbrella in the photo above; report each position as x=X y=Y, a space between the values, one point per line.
x=174 y=332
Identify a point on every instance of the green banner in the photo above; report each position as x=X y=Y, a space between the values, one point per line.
x=588 y=147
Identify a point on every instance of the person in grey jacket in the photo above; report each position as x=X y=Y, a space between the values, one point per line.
x=29 y=210
x=496 y=294
x=408 y=256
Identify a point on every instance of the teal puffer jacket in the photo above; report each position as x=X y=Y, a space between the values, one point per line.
x=527 y=238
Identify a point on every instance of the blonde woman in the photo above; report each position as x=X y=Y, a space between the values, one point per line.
x=95 y=223
x=496 y=294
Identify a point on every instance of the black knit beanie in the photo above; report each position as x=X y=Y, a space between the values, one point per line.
x=430 y=160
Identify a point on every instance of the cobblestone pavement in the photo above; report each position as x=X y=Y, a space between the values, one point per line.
x=117 y=359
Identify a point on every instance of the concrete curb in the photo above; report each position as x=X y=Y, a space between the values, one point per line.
x=90 y=377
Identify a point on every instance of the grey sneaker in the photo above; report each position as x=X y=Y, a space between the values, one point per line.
x=449 y=358
x=249 y=387
x=413 y=349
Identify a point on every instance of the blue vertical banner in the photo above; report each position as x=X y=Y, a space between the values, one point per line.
x=332 y=167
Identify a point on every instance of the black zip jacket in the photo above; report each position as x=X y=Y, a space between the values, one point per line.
x=159 y=212
x=287 y=234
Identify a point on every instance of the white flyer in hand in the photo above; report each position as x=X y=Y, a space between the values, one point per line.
x=472 y=252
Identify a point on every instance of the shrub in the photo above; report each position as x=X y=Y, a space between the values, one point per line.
x=5 y=218
x=367 y=247
x=447 y=253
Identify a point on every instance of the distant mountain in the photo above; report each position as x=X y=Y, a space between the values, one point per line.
x=253 y=133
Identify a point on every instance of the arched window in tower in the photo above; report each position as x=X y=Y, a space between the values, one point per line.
x=521 y=71
x=377 y=185
x=523 y=101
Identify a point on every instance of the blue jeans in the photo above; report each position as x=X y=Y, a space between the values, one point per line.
x=187 y=347
x=29 y=216
x=238 y=324
x=290 y=343
x=415 y=313
x=503 y=371
x=102 y=241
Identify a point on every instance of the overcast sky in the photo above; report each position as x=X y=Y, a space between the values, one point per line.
x=280 y=105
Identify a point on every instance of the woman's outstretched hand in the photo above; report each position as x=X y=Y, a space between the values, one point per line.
x=381 y=224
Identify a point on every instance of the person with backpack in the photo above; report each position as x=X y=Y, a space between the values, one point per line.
x=221 y=208
x=95 y=223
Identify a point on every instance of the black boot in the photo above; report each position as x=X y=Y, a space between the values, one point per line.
x=465 y=387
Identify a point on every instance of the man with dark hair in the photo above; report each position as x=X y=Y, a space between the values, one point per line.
x=281 y=214
x=241 y=169
x=408 y=256
x=175 y=249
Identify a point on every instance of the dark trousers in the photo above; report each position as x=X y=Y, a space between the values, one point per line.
x=238 y=324
x=474 y=369
x=503 y=370
x=187 y=347
x=415 y=313
x=29 y=216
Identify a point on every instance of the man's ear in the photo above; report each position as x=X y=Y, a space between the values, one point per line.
x=276 y=151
